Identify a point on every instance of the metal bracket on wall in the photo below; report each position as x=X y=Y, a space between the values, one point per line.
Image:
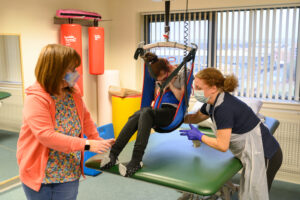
x=83 y=22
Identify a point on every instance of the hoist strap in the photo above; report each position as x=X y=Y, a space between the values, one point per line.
x=167 y=13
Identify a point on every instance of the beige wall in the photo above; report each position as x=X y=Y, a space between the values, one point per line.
x=33 y=20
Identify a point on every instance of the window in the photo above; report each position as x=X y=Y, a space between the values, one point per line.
x=10 y=60
x=258 y=45
x=197 y=24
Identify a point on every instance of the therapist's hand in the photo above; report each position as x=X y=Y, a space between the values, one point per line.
x=101 y=146
x=193 y=134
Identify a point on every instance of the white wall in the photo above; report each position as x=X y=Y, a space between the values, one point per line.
x=33 y=20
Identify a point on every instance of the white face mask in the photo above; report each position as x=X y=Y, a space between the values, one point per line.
x=199 y=95
x=71 y=78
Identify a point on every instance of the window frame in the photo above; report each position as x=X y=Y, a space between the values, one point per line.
x=212 y=41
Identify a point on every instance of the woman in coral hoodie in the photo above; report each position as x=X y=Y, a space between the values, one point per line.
x=51 y=144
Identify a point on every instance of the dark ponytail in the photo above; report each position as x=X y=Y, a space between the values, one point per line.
x=157 y=64
x=150 y=57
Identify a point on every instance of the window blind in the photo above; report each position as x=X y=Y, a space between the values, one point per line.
x=259 y=45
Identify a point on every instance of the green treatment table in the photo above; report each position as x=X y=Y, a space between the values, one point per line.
x=4 y=95
x=171 y=160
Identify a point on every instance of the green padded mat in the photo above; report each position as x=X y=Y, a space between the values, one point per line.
x=172 y=161
x=4 y=95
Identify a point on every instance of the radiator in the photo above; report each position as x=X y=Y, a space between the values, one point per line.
x=11 y=108
x=288 y=135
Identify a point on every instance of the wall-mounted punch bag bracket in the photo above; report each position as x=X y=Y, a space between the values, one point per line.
x=66 y=16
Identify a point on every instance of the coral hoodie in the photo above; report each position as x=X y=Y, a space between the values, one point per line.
x=37 y=134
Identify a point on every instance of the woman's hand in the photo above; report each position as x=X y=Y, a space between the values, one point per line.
x=193 y=134
x=101 y=146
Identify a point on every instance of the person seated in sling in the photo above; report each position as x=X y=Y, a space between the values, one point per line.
x=146 y=118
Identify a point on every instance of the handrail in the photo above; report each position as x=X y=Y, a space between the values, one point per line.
x=168 y=44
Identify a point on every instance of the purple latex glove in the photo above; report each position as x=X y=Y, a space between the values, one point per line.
x=193 y=134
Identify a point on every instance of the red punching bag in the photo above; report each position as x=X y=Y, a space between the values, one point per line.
x=96 y=50
x=70 y=35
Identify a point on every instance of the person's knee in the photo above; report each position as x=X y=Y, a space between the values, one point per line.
x=135 y=115
x=147 y=112
x=147 y=116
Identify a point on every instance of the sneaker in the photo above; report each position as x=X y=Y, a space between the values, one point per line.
x=129 y=169
x=108 y=161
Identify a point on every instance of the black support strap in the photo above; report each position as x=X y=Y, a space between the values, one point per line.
x=167 y=14
x=189 y=57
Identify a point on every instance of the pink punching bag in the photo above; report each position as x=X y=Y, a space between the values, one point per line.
x=96 y=50
x=70 y=35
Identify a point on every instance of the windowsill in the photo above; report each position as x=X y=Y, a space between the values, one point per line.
x=272 y=104
x=282 y=105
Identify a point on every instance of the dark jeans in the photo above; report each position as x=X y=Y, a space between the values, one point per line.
x=53 y=191
x=142 y=121
x=273 y=166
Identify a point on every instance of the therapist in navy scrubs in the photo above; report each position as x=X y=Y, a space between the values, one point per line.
x=236 y=128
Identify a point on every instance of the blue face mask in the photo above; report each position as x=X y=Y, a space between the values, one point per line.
x=199 y=95
x=71 y=78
